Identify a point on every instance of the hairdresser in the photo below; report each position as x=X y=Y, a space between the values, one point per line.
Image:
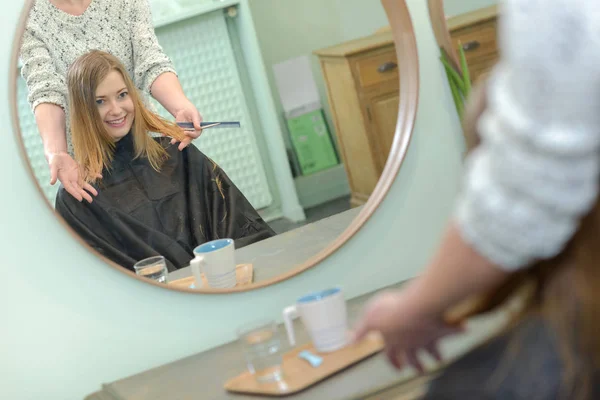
x=57 y=33
x=526 y=186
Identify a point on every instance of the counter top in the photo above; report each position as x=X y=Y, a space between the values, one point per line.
x=280 y=254
x=203 y=375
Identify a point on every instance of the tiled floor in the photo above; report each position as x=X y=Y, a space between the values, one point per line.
x=313 y=214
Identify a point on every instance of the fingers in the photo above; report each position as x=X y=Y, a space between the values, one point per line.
x=77 y=192
x=361 y=330
x=196 y=119
x=391 y=353
x=395 y=351
x=73 y=191
x=89 y=188
x=86 y=196
x=81 y=187
x=448 y=330
x=374 y=316
x=53 y=174
x=193 y=134
x=184 y=143
x=413 y=360
x=434 y=351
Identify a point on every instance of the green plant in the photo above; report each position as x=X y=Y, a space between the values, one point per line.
x=460 y=81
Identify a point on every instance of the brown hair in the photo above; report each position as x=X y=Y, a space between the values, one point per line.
x=92 y=145
x=564 y=290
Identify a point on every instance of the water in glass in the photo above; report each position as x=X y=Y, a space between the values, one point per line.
x=262 y=351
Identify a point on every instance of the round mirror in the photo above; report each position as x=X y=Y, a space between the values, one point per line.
x=467 y=27
x=305 y=120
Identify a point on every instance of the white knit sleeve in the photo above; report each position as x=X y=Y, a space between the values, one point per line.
x=149 y=59
x=536 y=171
x=44 y=84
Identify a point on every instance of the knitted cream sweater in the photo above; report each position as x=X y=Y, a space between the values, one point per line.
x=54 y=39
x=536 y=172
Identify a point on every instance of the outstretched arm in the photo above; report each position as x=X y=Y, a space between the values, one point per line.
x=46 y=95
x=154 y=71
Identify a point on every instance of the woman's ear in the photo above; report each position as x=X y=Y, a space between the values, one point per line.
x=476 y=104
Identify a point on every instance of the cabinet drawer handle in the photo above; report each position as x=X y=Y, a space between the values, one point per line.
x=472 y=45
x=388 y=66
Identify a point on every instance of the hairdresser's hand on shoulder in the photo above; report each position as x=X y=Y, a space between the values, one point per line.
x=189 y=113
x=405 y=328
x=66 y=170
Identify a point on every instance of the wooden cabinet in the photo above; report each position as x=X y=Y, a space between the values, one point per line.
x=383 y=111
x=361 y=77
x=476 y=32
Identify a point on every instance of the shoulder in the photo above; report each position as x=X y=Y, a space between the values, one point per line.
x=111 y=9
x=136 y=6
x=559 y=30
x=38 y=7
x=548 y=70
x=39 y=11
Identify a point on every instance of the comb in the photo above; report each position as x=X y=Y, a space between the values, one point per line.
x=206 y=125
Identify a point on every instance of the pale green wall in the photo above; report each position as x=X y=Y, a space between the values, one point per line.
x=301 y=27
x=360 y=17
x=305 y=26
x=70 y=323
x=457 y=7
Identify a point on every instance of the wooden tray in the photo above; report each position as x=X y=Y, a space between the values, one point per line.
x=243 y=272
x=298 y=374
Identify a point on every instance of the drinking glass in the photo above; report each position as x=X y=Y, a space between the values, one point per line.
x=262 y=350
x=154 y=268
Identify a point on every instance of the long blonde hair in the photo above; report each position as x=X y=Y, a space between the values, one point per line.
x=564 y=290
x=92 y=145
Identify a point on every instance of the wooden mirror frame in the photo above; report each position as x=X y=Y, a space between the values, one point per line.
x=437 y=17
x=408 y=69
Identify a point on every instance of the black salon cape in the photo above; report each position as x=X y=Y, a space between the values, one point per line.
x=140 y=212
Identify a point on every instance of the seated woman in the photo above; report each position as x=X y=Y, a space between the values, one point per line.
x=152 y=198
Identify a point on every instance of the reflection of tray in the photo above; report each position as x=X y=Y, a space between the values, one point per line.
x=244 y=274
x=299 y=375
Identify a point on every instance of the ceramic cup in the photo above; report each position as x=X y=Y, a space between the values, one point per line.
x=217 y=260
x=324 y=316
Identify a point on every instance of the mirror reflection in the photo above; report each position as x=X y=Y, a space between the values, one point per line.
x=472 y=27
x=156 y=129
x=454 y=8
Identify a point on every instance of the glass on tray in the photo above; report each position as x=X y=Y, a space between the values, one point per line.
x=261 y=345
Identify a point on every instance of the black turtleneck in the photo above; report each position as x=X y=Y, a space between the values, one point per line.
x=140 y=212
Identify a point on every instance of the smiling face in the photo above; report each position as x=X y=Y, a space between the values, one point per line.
x=115 y=106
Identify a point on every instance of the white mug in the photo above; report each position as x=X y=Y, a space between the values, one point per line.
x=217 y=260
x=324 y=316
